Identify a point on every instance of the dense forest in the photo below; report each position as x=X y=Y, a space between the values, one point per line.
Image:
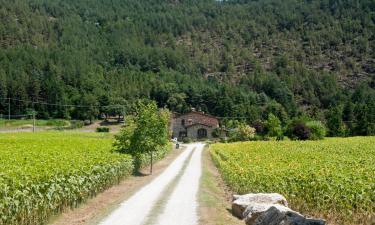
x=235 y=58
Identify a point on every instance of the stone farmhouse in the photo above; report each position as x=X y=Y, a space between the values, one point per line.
x=194 y=125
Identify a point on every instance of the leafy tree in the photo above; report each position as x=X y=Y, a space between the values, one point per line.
x=273 y=126
x=123 y=140
x=335 y=125
x=90 y=107
x=317 y=130
x=147 y=134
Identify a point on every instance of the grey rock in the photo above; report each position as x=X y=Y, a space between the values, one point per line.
x=241 y=202
x=274 y=216
x=254 y=210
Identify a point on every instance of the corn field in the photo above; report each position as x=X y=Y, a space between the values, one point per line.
x=43 y=173
x=334 y=177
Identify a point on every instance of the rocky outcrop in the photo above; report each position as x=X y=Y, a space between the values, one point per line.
x=268 y=209
x=241 y=202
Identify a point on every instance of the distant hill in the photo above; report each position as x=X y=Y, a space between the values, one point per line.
x=230 y=58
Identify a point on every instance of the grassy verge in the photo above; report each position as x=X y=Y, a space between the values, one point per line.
x=214 y=197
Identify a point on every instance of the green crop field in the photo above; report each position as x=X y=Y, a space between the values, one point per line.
x=334 y=178
x=43 y=173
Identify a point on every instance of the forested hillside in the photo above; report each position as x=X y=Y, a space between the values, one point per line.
x=241 y=58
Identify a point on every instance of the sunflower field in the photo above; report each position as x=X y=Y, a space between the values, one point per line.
x=334 y=178
x=43 y=173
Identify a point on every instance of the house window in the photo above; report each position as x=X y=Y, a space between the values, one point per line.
x=183 y=122
x=202 y=133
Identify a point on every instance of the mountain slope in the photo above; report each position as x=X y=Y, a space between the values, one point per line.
x=287 y=57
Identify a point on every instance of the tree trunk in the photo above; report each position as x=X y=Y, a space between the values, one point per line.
x=151 y=163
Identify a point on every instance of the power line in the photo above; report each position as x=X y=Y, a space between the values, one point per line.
x=19 y=116
x=62 y=105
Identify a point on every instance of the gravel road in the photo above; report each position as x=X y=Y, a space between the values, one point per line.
x=181 y=204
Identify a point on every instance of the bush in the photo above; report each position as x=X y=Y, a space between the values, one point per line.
x=102 y=129
x=317 y=129
x=245 y=132
x=259 y=127
x=242 y=133
x=76 y=124
x=216 y=133
x=187 y=140
x=87 y=122
x=300 y=131
x=273 y=126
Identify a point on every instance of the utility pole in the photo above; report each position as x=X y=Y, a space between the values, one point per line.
x=8 y=108
x=33 y=121
x=33 y=118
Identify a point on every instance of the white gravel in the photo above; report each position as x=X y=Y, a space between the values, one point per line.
x=181 y=207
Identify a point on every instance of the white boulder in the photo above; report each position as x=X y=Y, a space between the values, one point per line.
x=241 y=202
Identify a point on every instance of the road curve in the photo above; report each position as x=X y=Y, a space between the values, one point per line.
x=181 y=205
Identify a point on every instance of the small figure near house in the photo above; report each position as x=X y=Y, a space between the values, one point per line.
x=194 y=125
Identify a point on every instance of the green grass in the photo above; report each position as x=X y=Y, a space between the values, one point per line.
x=333 y=178
x=29 y=122
x=42 y=173
x=213 y=203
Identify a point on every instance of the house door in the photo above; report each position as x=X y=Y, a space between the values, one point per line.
x=202 y=133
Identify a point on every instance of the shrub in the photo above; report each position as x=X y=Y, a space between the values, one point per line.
x=216 y=133
x=259 y=127
x=300 y=131
x=245 y=132
x=187 y=140
x=87 y=122
x=273 y=126
x=76 y=124
x=317 y=129
x=102 y=129
x=242 y=133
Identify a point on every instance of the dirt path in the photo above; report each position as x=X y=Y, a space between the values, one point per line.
x=181 y=202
